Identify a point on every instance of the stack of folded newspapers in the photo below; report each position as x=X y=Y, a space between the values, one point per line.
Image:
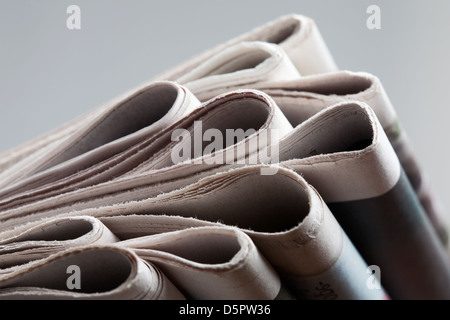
x=255 y=170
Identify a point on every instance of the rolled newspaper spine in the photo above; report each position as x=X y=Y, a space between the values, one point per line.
x=296 y=34
x=212 y=263
x=99 y=272
x=302 y=98
x=251 y=116
x=239 y=66
x=38 y=240
x=358 y=174
x=283 y=215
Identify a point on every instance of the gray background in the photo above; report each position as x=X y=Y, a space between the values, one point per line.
x=49 y=74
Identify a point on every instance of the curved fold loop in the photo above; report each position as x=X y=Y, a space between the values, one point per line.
x=40 y=239
x=239 y=66
x=100 y=135
x=345 y=154
x=246 y=123
x=103 y=272
x=285 y=217
x=302 y=98
x=196 y=258
x=296 y=34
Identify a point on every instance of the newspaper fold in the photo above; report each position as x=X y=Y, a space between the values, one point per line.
x=345 y=154
x=41 y=239
x=246 y=116
x=300 y=99
x=106 y=272
x=211 y=263
x=296 y=34
x=284 y=216
x=239 y=66
x=99 y=135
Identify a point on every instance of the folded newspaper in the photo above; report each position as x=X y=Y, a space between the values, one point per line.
x=256 y=170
